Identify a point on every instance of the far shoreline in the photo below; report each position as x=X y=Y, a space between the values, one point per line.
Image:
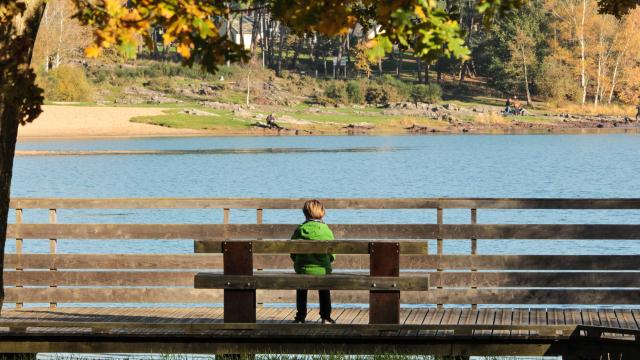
x=72 y=122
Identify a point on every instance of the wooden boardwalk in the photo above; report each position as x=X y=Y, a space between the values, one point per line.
x=443 y=331
x=580 y=306
x=628 y=319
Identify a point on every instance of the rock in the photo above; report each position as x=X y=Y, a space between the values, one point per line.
x=450 y=107
x=197 y=112
x=360 y=125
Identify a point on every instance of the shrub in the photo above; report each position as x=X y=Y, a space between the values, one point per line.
x=354 y=92
x=555 y=81
x=401 y=89
x=336 y=91
x=426 y=93
x=67 y=83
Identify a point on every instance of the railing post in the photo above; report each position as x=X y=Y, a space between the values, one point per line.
x=384 y=306
x=239 y=305
x=474 y=251
x=440 y=246
x=19 y=267
x=53 y=246
x=225 y=216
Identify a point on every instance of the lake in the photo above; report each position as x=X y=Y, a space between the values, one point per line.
x=573 y=166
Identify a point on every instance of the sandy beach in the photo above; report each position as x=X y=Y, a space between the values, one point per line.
x=64 y=121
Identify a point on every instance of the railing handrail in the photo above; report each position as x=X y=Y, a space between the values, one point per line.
x=341 y=231
x=332 y=203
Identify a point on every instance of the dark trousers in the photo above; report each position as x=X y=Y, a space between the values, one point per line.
x=301 y=304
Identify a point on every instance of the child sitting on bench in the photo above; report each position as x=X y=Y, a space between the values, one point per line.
x=313 y=264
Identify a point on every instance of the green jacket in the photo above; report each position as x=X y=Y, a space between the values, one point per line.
x=312 y=264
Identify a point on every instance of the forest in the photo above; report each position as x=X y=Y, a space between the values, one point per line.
x=559 y=51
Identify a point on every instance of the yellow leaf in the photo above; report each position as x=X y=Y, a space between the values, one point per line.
x=184 y=50
x=92 y=51
x=419 y=12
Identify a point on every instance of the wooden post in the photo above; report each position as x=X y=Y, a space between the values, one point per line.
x=239 y=305
x=225 y=219
x=474 y=251
x=19 y=267
x=53 y=246
x=440 y=246
x=259 y=216
x=384 y=306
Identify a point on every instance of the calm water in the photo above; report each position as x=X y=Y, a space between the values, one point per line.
x=573 y=166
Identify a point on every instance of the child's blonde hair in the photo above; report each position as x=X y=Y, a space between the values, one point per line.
x=313 y=210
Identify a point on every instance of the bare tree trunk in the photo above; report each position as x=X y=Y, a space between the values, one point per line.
x=241 y=30
x=338 y=63
x=60 y=34
x=583 y=69
x=257 y=19
x=281 y=34
x=526 y=74
x=426 y=73
x=17 y=92
x=614 y=77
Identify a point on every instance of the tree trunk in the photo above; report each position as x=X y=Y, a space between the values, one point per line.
x=419 y=63
x=614 y=77
x=426 y=73
x=583 y=69
x=19 y=100
x=526 y=75
x=281 y=34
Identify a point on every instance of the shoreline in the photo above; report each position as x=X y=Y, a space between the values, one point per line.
x=65 y=122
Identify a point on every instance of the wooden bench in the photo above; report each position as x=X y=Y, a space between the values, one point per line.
x=384 y=282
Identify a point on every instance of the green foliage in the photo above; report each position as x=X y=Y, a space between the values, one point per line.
x=556 y=82
x=354 y=92
x=426 y=93
x=514 y=42
x=401 y=89
x=380 y=95
x=337 y=92
x=67 y=83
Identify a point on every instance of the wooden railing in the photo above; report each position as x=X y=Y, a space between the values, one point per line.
x=57 y=278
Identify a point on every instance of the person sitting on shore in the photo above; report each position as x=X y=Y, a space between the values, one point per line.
x=271 y=122
x=313 y=264
x=517 y=106
x=637 y=112
x=507 y=108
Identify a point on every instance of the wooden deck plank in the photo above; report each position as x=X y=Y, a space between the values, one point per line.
x=590 y=317
x=636 y=316
x=520 y=317
x=450 y=317
x=503 y=317
x=537 y=316
x=573 y=317
x=405 y=314
x=626 y=320
x=608 y=318
x=485 y=317
x=433 y=318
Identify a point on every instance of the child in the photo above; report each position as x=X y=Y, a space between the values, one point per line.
x=313 y=264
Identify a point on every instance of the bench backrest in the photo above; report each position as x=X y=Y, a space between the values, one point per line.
x=139 y=277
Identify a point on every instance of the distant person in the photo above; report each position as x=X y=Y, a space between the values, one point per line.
x=517 y=106
x=507 y=108
x=271 y=122
x=313 y=264
x=637 y=112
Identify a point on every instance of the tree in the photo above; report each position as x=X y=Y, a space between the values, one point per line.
x=191 y=26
